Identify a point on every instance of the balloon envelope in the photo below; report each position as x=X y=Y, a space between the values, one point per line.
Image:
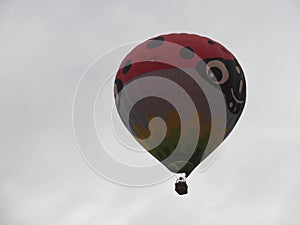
x=180 y=95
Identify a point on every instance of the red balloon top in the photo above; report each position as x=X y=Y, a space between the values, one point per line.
x=169 y=51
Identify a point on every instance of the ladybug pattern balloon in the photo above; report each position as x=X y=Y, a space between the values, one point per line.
x=180 y=95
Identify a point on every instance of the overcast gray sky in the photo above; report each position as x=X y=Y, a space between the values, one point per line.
x=45 y=48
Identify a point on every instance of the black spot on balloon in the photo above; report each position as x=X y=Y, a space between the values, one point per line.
x=119 y=84
x=200 y=67
x=187 y=52
x=211 y=42
x=155 y=42
x=126 y=67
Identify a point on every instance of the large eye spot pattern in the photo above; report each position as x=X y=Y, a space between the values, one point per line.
x=217 y=71
x=155 y=42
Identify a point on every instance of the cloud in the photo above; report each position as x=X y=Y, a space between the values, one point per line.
x=47 y=45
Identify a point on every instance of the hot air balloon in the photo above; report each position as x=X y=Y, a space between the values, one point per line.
x=180 y=95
